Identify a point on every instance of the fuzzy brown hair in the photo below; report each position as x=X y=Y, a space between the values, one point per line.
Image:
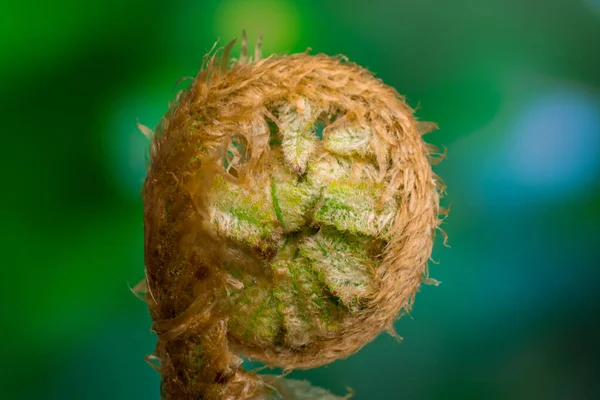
x=188 y=284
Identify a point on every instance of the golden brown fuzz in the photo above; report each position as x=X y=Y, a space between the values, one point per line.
x=290 y=210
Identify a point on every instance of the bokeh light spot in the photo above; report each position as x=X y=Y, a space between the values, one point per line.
x=277 y=20
x=542 y=147
x=595 y=4
x=555 y=144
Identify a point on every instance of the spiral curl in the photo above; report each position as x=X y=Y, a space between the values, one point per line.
x=290 y=210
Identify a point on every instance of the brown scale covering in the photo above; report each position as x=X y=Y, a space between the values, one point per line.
x=189 y=286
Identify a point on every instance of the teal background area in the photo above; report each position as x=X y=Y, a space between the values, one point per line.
x=513 y=84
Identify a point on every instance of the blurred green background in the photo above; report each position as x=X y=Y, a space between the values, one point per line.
x=513 y=84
